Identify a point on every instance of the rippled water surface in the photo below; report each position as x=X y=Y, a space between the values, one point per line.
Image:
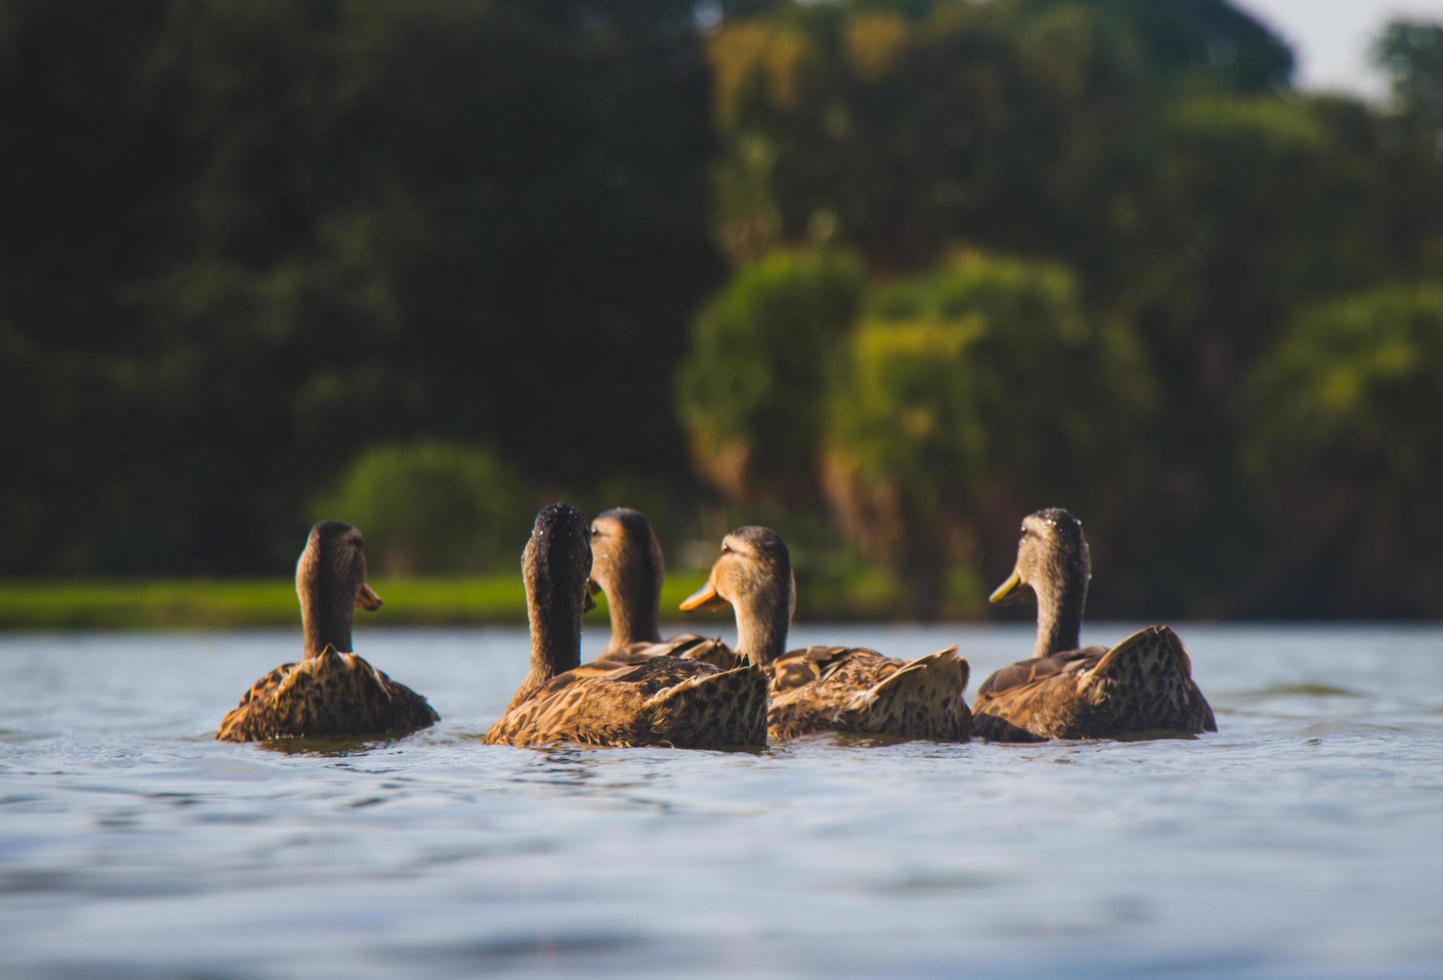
x=1306 y=839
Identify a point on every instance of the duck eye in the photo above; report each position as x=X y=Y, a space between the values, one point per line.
x=596 y=532
x=726 y=548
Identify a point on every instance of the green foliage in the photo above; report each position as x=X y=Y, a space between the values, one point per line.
x=1411 y=52
x=1207 y=43
x=1356 y=385
x=896 y=128
x=750 y=390
x=1347 y=453
x=433 y=507
x=972 y=393
x=850 y=593
x=245 y=241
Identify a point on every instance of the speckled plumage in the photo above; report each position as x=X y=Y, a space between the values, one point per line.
x=854 y=689
x=640 y=700
x=825 y=688
x=1142 y=685
x=684 y=646
x=329 y=692
x=628 y=698
x=627 y=565
x=333 y=694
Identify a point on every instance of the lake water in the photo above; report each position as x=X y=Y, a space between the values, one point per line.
x=1306 y=839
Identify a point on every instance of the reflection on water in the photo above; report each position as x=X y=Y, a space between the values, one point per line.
x=1300 y=840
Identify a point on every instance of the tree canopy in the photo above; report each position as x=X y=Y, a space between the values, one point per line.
x=889 y=274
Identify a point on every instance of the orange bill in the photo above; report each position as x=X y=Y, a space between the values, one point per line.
x=704 y=598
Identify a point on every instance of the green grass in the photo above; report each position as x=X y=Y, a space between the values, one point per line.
x=37 y=604
x=498 y=598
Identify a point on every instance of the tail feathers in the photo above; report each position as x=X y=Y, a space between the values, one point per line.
x=709 y=650
x=1154 y=652
x=728 y=708
x=1145 y=683
x=923 y=699
x=330 y=694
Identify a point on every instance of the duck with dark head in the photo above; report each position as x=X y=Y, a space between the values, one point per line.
x=331 y=691
x=827 y=688
x=1142 y=685
x=627 y=567
x=618 y=701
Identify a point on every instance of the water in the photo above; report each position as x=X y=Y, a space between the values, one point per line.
x=1303 y=840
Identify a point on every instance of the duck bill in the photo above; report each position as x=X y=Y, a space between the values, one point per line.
x=1011 y=591
x=367 y=599
x=588 y=601
x=704 y=599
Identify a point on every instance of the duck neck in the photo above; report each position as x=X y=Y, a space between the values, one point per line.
x=326 y=624
x=635 y=602
x=762 y=629
x=555 y=644
x=1059 y=618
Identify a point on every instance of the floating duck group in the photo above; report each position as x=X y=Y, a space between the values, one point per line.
x=692 y=691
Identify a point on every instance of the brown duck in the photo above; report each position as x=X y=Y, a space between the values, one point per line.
x=1142 y=685
x=619 y=701
x=827 y=688
x=627 y=566
x=330 y=691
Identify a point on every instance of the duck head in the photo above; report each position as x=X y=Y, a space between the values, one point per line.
x=556 y=565
x=331 y=583
x=626 y=564
x=753 y=574
x=1054 y=566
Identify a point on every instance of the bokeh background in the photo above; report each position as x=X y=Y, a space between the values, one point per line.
x=886 y=276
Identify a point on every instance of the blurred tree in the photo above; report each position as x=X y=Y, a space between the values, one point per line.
x=433 y=508
x=896 y=128
x=750 y=391
x=863 y=125
x=1229 y=238
x=1347 y=452
x=1208 y=43
x=1411 y=52
x=971 y=396
x=245 y=239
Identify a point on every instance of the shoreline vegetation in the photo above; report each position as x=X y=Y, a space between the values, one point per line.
x=475 y=600
x=493 y=599
x=884 y=277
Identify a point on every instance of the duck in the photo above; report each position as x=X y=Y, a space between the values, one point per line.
x=622 y=701
x=827 y=688
x=1141 y=685
x=330 y=691
x=627 y=567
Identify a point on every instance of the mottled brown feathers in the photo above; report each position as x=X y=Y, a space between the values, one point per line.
x=331 y=694
x=328 y=693
x=1142 y=685
x=642 y=700
x=827 y=688
x=688 y=646
x=1037 y=668
x=636 y=695
x=848 y=689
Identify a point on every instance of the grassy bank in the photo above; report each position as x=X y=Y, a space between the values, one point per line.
x=487 y=599
x=227 y=603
